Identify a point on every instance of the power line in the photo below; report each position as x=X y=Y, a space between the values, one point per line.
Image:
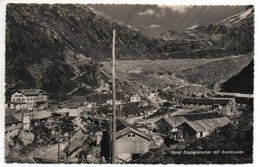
x=191 y=20
x=184 y=19
x=203 y=18
x=195 y=17
x=131 y=14
x=149 y=21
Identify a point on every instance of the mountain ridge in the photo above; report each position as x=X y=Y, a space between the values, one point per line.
x=233 y=35
x=50 y=46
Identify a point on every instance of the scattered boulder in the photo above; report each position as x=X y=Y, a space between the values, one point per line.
x=76 y=142
x=92 y=159
x=13 y=133
x=158 y=141
x=26 y=137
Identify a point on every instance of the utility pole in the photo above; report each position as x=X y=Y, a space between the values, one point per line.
x=110 y=136
x=58 y=142
x=114 y=98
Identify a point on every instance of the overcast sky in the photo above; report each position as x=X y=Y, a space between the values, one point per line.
x=169 y=17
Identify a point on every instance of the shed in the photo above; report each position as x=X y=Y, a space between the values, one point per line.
x=135 y=98
x=166 y=125
x=39 y=115
x=98 y=137
x=74 y=113
x=201 y=125
x=129 y=141
x=11 y=123
x=9 y=120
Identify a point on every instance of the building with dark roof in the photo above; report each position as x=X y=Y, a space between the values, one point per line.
x=9 y=120
x=27 y=99
x=239 y=97
x=205 y=101
x=217 y=103
x=12 y=123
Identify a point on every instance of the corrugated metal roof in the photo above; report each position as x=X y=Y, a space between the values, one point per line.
x=175 y=121
x=196 y=126
x=210 y=123
x=222 y=121
x=206 y=124
x=199 y=116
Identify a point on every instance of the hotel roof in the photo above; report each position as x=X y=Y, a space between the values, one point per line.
x=31 y=92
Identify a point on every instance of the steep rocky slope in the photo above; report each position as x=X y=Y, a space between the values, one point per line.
x=55 y=47
x=234 y=35
x=243 y=82
x=213 y=74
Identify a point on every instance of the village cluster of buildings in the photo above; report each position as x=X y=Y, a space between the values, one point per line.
x=129 y=140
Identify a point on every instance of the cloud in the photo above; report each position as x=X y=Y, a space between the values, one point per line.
x=154 y=26
x=180 y=9
x=148 y=12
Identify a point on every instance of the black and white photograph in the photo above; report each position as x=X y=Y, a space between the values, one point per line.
x=92 y=83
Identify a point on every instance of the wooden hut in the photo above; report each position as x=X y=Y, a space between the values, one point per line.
x=129 y=141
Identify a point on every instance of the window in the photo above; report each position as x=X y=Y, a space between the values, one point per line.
x=131 y=135
x=201 y=134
